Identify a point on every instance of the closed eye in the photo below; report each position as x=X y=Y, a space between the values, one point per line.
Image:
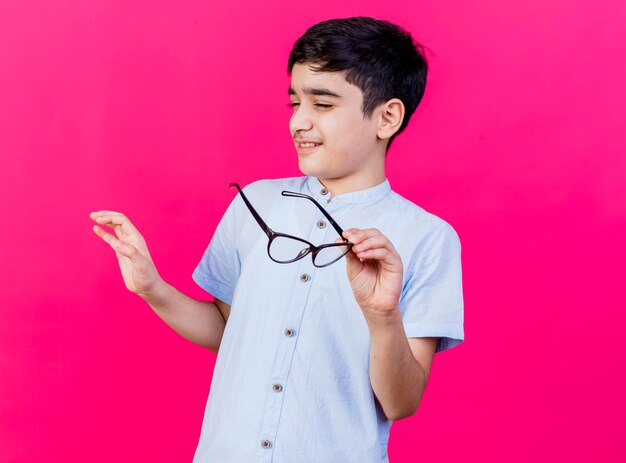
x=316 y=104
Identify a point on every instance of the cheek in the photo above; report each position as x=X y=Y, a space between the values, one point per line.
x=340 y=133
x=352 y=138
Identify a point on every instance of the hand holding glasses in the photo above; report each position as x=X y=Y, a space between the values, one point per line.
x=284 y=249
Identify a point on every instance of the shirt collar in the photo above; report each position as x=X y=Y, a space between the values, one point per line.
x=362 y=196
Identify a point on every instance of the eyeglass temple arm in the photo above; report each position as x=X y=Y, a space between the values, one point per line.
x=267 y=230
x=330 y=219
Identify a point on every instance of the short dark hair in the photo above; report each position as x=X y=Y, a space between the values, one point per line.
x=379 y=57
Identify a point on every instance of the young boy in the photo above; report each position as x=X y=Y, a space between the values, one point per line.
x=320 y=347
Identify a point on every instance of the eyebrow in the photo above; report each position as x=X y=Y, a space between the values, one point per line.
x=315 y=91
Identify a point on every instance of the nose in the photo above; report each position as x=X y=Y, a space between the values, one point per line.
x=300 y=120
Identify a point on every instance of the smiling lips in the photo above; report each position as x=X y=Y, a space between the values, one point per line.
x=306 y=143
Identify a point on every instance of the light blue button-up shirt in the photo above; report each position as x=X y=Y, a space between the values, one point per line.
x=291 y=381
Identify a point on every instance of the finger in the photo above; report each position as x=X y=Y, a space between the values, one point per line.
x=378 y=253
x=371 y=244
x=99 y=213
x=107 y=237
x=117 y=221
x=355 y=235
x=376 y=241
x=350 y=255
x=120 y=246
x=109 y=218
x=127 y=250
x=106 y=221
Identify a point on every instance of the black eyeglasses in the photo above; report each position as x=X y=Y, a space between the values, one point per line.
x=284 y=249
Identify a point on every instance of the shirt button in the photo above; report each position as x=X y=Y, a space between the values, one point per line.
x=277 y=388
x=266 y=444
x=304 y=277
x=289 y=332
x=324 y=191
x=321 y=224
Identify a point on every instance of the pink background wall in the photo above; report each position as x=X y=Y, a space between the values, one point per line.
x=152 y=108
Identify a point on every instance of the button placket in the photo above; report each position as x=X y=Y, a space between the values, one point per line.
x=305 y=274
x=306 y=270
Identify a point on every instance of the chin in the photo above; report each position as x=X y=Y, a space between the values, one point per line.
x=308 y=170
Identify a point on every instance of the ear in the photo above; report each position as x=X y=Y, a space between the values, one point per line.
x=391 y=117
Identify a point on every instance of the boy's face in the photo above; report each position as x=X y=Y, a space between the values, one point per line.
x=349 y=144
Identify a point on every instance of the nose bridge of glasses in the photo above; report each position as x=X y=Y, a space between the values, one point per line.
x=304 y=252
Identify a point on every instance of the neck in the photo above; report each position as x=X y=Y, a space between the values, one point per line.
x=369 y=174
x=348 y=184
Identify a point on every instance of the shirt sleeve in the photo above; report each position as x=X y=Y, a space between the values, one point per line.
x=220 y=266
x=432 y=299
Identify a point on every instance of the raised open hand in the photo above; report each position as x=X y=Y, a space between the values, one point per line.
x=138 y=270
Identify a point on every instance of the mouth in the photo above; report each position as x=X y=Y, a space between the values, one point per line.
x=306 y=147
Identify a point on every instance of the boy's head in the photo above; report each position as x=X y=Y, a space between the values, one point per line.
x=377 y=61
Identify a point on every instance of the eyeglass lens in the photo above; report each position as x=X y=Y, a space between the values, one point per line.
x=285 y=249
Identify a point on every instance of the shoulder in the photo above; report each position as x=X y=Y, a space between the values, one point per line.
x=415 y=217
x=414 y=230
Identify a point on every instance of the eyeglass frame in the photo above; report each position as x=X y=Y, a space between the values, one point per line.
x=312 y=249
